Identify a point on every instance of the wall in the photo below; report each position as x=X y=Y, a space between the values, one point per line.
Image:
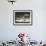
x=38 y=29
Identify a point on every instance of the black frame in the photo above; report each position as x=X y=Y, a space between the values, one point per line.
x=14 y=14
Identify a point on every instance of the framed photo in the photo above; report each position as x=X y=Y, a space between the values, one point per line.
x=22 y=17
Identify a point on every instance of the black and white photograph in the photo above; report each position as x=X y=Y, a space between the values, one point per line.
x=22 y=16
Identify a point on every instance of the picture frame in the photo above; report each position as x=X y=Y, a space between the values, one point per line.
x=22 y=17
